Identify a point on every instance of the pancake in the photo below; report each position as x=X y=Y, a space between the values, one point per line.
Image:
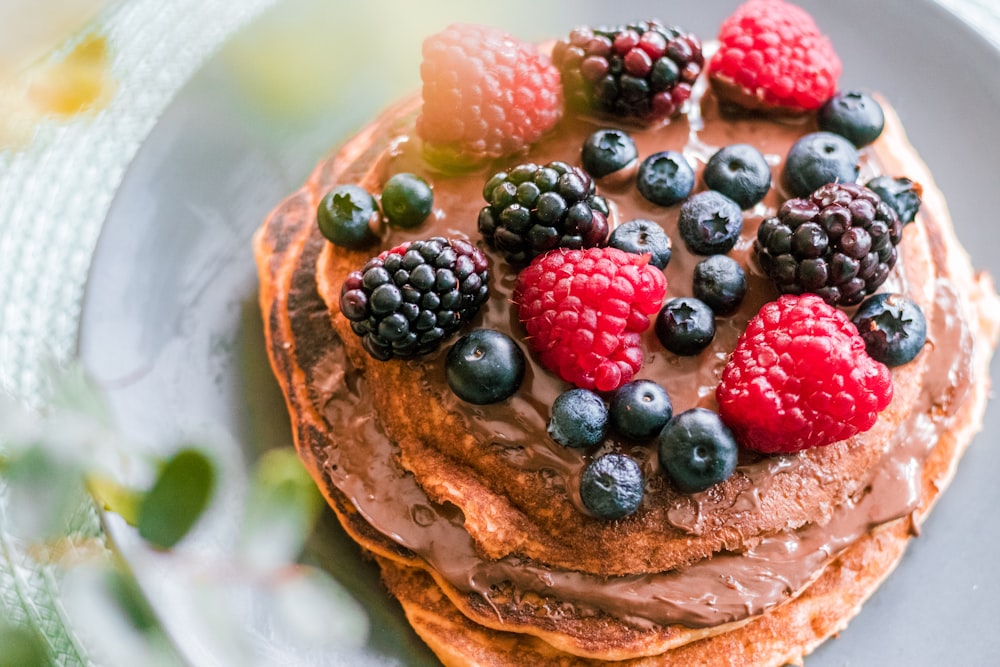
x=474 y=513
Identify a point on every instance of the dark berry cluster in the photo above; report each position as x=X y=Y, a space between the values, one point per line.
x=839 y=243
x=405 y=301
x=643 y=70
x=532 y=209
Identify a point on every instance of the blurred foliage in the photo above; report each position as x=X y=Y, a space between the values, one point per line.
x=177 y=500
x=47 y=462
x=22 y=647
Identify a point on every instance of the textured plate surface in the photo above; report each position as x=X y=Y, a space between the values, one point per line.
x=171 y=328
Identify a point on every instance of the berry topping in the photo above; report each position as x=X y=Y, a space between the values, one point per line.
x=710 y=223
x=532 y=209
x=578 y=418
x=799 y=377
x=665 y=178
x=719 y=281
x=643 y=237
x=640 y=409
x=817 y=159
x=407 y=200
x=611 y=486
x=840 y=243
x=346 y=215
x=902 y=194
x=405 y=301
x=772 y=57
x=607 y=151
x=697 y=450
x=740 y=172
x=583 y=311
x=853 y=115
x=685 y=326
x=893 y=327
x=484 y=366
x=643 y=70
x=486 y=95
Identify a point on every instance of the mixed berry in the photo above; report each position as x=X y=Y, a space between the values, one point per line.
x=643 y=70
x=586 y=286
x=532 y=209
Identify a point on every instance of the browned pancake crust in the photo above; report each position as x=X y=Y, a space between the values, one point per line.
x=302 y=349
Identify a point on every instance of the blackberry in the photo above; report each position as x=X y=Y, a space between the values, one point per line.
x=406 y=301
x=533 y=209
x=839 y=243
x=642 y=70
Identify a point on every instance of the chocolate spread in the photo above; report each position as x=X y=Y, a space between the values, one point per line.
x=727 y=587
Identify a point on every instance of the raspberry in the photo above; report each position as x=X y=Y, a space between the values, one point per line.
x=839 y=243
x=800 y=377
x=584 y=310
x=533 y=209
x=773 y=57
x=643 y=70
x=486 y=95
x=406 y=300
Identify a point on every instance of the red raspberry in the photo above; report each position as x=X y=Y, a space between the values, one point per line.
x=800 y=377
x=584 y=310
x=773 y=57
x=486 y=95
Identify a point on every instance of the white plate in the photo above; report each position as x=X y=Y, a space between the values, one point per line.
x=172 y=331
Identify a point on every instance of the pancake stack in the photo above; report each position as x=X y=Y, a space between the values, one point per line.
x=474 y=513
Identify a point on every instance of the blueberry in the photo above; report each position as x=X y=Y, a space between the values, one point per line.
x=685 y=325
x=853 y=115
x=578 y=418
x=740 y=172
x=484 y=366
x=719 y=281
x=407 y=200
x=710 y=223
x=893 y=327
x=665 y=178
x=640 y=237
x=611 y=486
x=902 y=194
x=345 y=215
x=697 y=450
x=817 y=159
x=607 y=151
x=640 y=409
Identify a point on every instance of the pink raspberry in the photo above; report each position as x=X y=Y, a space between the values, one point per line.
x=584 y=311
x=772 y=56
x=800 y=377
x=486 y=95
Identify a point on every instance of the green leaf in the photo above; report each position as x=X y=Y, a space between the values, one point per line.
x=282 y=507
x=22 y=647
x=178 y=498
x=115 y=497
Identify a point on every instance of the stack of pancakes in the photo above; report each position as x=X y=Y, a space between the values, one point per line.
x=473 y=512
